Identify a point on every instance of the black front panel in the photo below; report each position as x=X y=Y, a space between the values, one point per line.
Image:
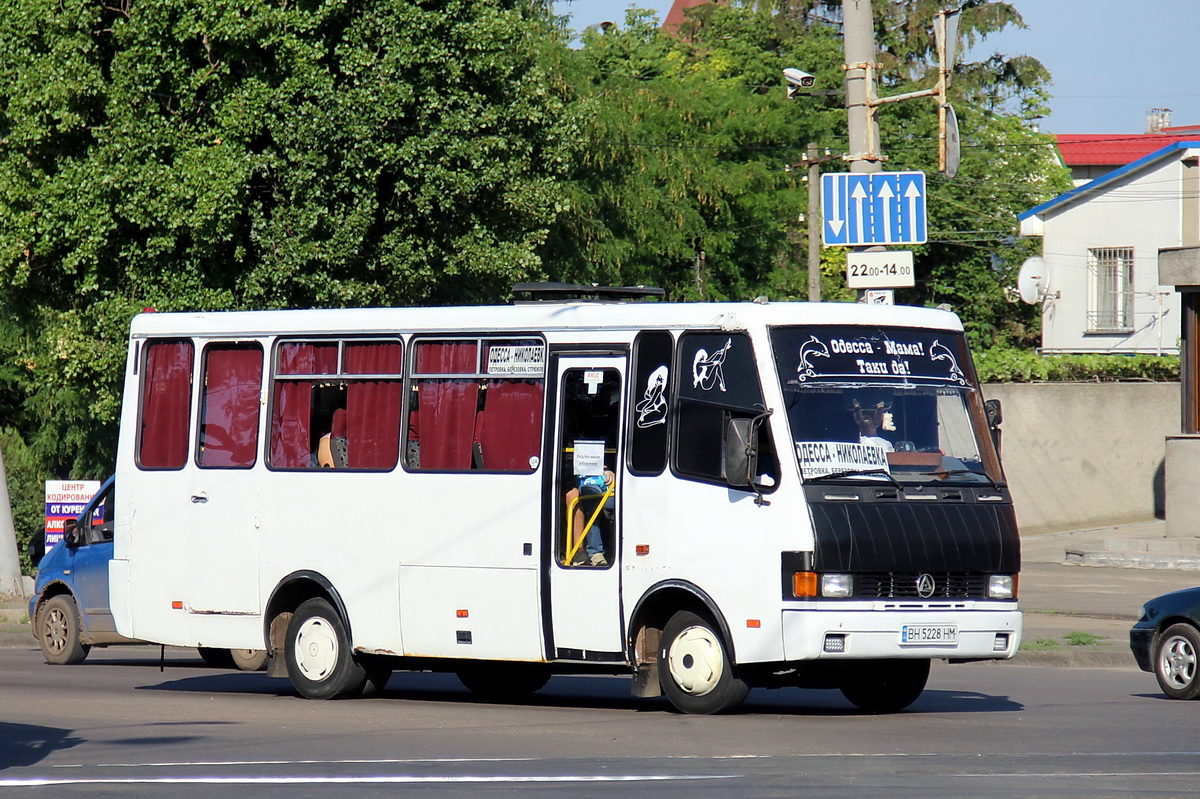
x=901 y=535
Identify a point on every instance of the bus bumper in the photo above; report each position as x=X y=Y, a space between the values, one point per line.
x=981 y=633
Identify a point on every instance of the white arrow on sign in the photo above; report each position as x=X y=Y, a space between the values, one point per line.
x=885 y=191
x=859 y=195
x=835 y=220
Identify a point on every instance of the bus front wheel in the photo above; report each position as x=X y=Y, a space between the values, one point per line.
x=886 y=686
x=694 y=667
x=320 y=662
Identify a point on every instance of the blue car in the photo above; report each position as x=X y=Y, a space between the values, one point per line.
x=69 y=609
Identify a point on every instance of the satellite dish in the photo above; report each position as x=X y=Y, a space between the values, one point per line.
x=1033 y=281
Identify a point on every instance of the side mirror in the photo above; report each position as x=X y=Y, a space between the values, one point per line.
x=71 y=533
x=995 y=415
x=741 y=453
x=36 y=548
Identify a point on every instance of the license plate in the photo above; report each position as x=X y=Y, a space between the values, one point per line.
x=929 y=635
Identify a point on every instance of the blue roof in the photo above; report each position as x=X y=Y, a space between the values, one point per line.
x=1106 y=178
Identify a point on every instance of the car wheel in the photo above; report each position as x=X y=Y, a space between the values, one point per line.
x=886 y=686
x=1175 y=660
x=320 y=662
x=249 y=659
x=58 y=630
x=503 y=681
x=694 y=667
x=217 y=658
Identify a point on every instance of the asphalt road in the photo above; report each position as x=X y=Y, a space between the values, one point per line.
x=118 y=725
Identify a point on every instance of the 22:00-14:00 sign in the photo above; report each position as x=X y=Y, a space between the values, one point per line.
x=876 y=270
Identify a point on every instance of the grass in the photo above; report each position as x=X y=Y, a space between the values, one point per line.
x=1040 y=645
x=1075 y=638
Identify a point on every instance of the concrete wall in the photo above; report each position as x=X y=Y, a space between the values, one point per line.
x=1083 y=455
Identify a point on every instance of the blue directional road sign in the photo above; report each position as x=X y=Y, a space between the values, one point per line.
x=860 y=209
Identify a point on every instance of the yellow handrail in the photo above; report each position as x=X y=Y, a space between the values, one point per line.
x=573 y=545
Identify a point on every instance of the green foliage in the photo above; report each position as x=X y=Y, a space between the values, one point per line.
x=1010 y=365
x=1078 y=638
x=189 y=154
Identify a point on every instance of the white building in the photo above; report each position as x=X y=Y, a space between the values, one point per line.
x=1101 y=242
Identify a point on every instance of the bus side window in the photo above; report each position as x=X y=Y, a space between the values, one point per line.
x=718 y=381
x=166 y=398
x=649 y=420
x=476 y=404
x=229 y=406
x=336 y=404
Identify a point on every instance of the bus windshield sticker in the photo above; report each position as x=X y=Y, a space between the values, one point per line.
x=652 y=410
x=707 y=370
x=845 y=354
x=821 y=458
x=518 y=361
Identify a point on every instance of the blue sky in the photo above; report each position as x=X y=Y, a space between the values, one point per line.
x=1112 y=60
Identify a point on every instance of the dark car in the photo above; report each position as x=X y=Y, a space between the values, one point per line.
x=1166 y=641
x=69 y=609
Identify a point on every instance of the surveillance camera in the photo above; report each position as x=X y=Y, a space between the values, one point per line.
x=800 y=78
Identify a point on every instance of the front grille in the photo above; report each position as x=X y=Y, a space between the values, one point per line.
x=903 y=585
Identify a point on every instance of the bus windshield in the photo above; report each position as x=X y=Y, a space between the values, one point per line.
x=891 y=404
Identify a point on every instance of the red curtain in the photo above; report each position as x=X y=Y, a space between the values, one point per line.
x=509 y=428
x=291 y=412
x=232 y=380
x=373 y=406
x=166 y=397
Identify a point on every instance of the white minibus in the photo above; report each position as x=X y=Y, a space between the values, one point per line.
x=707 y=497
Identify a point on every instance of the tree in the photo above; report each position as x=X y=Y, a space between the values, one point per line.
x=181 y=154
x=687 y=139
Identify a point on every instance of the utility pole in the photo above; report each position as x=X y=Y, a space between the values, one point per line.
x=10 y=563
x=858 y=26
x=814 y=224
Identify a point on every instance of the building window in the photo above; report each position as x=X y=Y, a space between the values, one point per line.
x=1110 y=290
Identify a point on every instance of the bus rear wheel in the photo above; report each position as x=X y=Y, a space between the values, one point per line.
x=320 y=662
x=694 y=667
x=886 y=686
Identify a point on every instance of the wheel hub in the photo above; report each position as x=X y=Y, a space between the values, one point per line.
x=695 y=661
x=1179 y=662
x=316 y=649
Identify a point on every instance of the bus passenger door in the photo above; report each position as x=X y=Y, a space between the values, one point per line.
x=585 y=509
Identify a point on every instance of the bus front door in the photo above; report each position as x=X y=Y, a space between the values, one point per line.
x=585 y=509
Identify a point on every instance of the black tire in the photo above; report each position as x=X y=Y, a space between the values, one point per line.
x=886 y=686
x=502 y=682
x=217 y=658
x=379 y=670
x=59 y=632
x=320 y=663
x=694 y=667
x=249 y=659
x=1176 y=656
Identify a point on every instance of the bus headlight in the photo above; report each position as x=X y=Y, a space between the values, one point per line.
x=837 y=586
x=1002 y=586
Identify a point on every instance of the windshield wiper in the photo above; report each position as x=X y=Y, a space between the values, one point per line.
x=982 y=475
x=855 y=473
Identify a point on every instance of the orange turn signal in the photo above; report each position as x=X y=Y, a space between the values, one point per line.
x=642 y=549
x=177 y=604
x=804 y=584
x=753 y=624
x=462 y=613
